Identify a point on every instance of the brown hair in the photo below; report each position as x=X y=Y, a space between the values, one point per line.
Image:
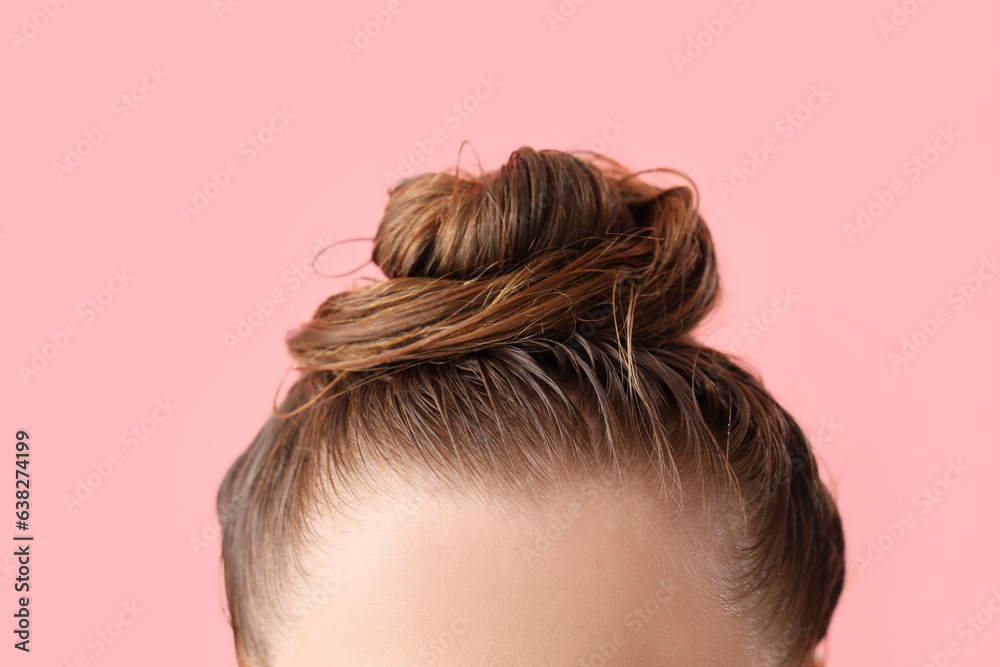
x=536 y=321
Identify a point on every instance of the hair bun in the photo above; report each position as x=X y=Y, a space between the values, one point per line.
x=443 y=225
x=545 y=247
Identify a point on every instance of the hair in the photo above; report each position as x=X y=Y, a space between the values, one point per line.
x=536 y=322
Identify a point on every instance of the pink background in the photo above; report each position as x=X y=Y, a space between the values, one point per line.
x=600 y=74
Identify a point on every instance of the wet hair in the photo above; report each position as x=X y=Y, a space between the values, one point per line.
x=535 y=323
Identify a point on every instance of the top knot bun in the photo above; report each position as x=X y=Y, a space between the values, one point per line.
x=440 y=225
x=548 y=247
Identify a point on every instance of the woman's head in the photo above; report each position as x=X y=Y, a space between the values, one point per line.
x=515 y=443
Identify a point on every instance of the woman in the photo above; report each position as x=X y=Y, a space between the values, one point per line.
x=513 y=451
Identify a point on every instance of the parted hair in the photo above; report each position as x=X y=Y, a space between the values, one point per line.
x=534 y=321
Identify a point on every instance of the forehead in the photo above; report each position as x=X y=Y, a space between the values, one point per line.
x=587 y=577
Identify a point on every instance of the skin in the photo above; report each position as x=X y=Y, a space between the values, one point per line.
x=590 y=576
